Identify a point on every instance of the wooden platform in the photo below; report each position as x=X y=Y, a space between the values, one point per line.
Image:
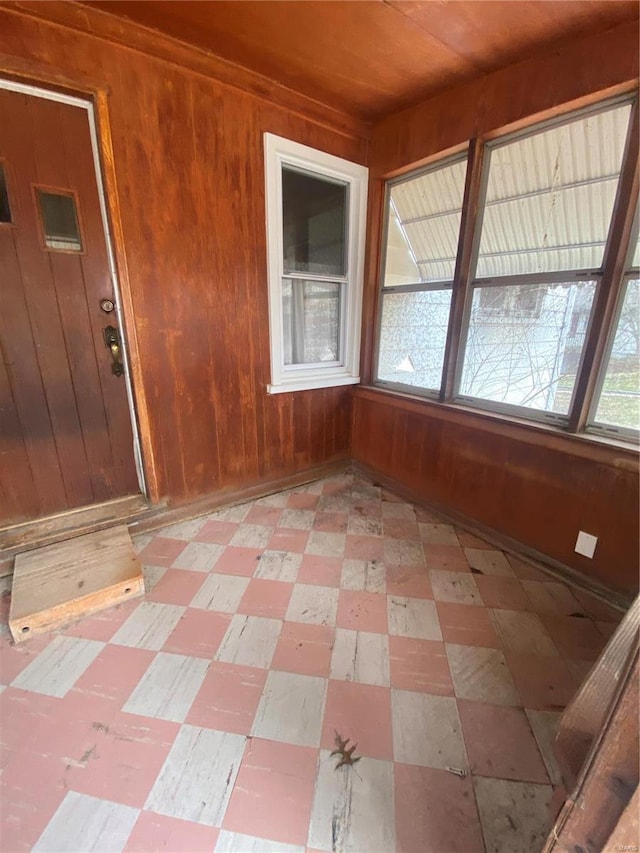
x=59 y=583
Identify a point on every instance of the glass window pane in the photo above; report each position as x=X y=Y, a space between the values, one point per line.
x=59 y=220
x=619 y=403
x=525 y=342
x=311 y=321
x=423 y=226
x=5 y=209
x=314 y=214
x=550 y=197
x=412 y=337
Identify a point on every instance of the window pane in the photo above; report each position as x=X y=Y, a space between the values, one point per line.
x=59 y=220
x=413 y=336
x=5 y=210
x=423 y=226
x=525 y=342
x=311 y=321
x=619 y=403
x=314 y=213
x=550 y=197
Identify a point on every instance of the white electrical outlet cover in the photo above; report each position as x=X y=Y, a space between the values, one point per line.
x=586 y=544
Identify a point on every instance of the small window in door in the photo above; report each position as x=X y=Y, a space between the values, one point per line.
x=5 y=207
x=59 y=220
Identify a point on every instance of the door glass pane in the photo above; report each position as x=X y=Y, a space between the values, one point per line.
x=314 y=223
x=5 y=209
x=423 y=224
x=550 y=197
x=59 y=220
x=311 y=321
x=619 y=403
x=525 y=343
x=413 y=334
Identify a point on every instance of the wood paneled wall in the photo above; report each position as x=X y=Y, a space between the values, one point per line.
x=188 y=163
x=513 y=480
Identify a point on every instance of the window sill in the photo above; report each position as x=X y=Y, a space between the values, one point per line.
x=310 y=384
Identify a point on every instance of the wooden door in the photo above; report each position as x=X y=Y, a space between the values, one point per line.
x=65 y=430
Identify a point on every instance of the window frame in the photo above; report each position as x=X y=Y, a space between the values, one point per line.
x=598 y=326
x=280 y=152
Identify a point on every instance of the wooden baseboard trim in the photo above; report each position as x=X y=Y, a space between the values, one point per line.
x=559 y=571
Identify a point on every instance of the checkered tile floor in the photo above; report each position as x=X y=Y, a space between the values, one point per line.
x=203 y=717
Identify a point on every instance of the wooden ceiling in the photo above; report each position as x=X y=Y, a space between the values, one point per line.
x=368 y=58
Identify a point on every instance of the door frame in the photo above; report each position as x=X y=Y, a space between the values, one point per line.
x=96 y=106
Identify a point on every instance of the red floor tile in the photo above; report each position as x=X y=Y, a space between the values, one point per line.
x=413 y=582
x=469 y=540
x=154 y=832
x=331 y=522
x=217 y=532
x=505 y=593
x=435 y=811
x=13 y=659
x=267 y=516
x=21 y=714
x=102 y=626
x=304 y=649
x=575 y=637
x=362 y=611
x=198 y=633
x=401 y=528
x=420 y=665
x=302 y=500
x=448 y=558
x=273 y=793
x=544 y=683
x=500 y=742
x=238 y=561
x=266 y=598
x=228 y=698
x=113 y=675
x=177 y=586
x=321 y=571
x=161 y=551
x=285 y=539
x=362 y=713
x=364 y=548
x=466 y=625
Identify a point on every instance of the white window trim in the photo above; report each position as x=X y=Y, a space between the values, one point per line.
x=279 y=151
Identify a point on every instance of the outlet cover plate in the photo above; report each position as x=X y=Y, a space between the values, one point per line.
x=586 y=544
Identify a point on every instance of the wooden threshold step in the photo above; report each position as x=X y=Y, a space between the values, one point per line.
x=59 y=583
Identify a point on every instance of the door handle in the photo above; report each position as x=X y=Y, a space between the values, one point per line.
x=114 y=345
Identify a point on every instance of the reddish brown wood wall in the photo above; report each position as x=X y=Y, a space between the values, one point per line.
x=188 y=161
x=512 y=480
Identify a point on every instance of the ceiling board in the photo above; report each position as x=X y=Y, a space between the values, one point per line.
x=371 y=57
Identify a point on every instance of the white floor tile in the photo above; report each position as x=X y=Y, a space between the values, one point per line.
x=481 y=674
x=250 y=640
x=291 y=709
x=168 y=687
x=361 y=525
x=315 y=604
x=360 y=656
x=438 y=534
x=148 y=626
x=427 y=730
x=88 y=824
x=152 y=575
x=141 y=541
x=251 y=536
x=297 y=519
x=235 y=842
x=545 y=726
x=335 y=503
x=231 y=513
x=198 y=557
x=326 y=544
x=413 y=617
x=56 y=669
x=514 y=815
x=197 y=778
x=183 y=529
x=364 y=575
x=220 y=592
x=455 y=587
x=397 y=552
x=278 y=500
x=489 y=562
x=353 y=808
x=278 y=566
x=398 y=509
x=522 y=633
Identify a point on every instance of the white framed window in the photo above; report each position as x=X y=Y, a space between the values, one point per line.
x=316 y=216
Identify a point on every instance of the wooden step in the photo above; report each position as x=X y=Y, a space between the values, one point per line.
x=59 y=583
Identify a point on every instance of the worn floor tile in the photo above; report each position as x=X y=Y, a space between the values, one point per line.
x=185 y=530
x=222 y=593
x=522 y=633
x=326 y=544
x=291 y=709
x=149 y=626
x=168 y=687
x=504 y=593
x=311 y=603
x=198 y=557
x=59 y=666
x=304 y=648
x=176 y=587
x=360 y=547
x=278 y=566
x=489 y=562
x=551 y=597
x=297 y=519
x=198 y=776
x=228 y=698
x=398 y=552
x=161 y=551
x=575 y=637
x=466 y=625
x=198 y=633
x=409 y=582
x=481 y=674
x=361 y=713
x=239 y=561
x=237 y=842
x=545 y=726
x=362 y=611
x=514 y=815
x=266 y=598
x=420 y=665
x=360 y=656
x=446 y=558
x=353 y=811
x=87 y=823
x=250 y=640
x=322 y=571
x=290 y=540
x=455 y=587
x=426 y=730
x=159 y=832
x=438 y=534
x=251 y=536
x=413 y=617
x=216 y=531
x=363 y=575
x=544 y=683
